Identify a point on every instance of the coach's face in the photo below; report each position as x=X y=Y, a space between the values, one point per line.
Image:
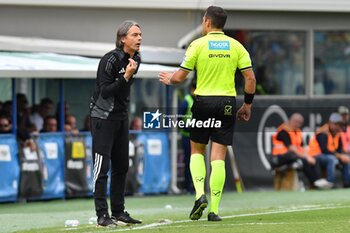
x=132 y=41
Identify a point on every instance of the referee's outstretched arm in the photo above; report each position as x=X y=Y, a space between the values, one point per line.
x=169 y=78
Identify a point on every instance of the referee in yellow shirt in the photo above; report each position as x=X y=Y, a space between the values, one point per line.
x=216 y=57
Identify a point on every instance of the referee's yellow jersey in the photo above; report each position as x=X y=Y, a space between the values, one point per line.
x=216 y=58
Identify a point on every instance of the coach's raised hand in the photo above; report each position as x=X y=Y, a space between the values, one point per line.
x=130 y=69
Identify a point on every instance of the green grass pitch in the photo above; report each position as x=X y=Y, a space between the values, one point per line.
x=311 y=211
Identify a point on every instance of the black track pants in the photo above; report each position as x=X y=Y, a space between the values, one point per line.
x=110 y=141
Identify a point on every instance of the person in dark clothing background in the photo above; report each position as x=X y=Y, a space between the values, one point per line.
x=109 y=124
x=185 y=110
x=5 y=124
x=50 y=124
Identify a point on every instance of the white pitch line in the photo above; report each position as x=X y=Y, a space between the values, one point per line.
x=284 y=211
x=243 y=224
x=154 y=225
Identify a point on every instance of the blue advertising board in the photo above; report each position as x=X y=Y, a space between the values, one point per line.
x=9 y=168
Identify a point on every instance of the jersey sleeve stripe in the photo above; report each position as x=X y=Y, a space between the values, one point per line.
x=246 y=68
x=184 y=68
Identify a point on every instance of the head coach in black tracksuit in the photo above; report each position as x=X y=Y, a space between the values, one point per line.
x=109 y=124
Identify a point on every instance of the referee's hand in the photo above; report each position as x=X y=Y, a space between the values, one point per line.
x=165 y=77
x=243 y=114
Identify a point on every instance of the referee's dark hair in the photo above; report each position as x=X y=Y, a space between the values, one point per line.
x=217 y=15
x=123 y=30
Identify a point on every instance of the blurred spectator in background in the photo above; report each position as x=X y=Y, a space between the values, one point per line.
x=265 y=84
x=7 y=108
x=39 y=113
x=185 y=110
x=281 y=54
x=326 y=146
x=71 y=123
x=323 y=83
x=5 y=124
x=50 y=124
x=345 y=128
x=288 y=149
x=24 y=126
x=67 y=128
x=136 y=123
x=23 y=112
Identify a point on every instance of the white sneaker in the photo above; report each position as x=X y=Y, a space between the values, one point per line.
x=323 y=184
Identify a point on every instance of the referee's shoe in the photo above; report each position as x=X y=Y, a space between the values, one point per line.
x=124 y=219
x=199 y=206
x=213 y=217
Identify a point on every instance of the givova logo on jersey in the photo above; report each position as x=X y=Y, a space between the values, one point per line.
x=219 y=45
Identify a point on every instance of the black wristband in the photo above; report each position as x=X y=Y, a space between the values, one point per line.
x=248 y=98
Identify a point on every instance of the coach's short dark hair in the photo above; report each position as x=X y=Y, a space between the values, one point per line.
x=217 y=15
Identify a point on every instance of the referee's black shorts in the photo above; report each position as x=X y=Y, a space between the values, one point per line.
x=220 y=108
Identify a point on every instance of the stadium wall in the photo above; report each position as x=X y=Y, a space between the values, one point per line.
x=99 y=25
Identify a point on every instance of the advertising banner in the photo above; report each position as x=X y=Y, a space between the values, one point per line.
x=76 y=179
x=32 y=172
x=252 y=142
x=52 y=150
x=154 y=173
x=9 y=168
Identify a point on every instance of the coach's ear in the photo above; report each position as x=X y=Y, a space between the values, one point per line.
x=122 y=40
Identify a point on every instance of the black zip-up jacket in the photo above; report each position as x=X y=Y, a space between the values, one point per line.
x=111 y=96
